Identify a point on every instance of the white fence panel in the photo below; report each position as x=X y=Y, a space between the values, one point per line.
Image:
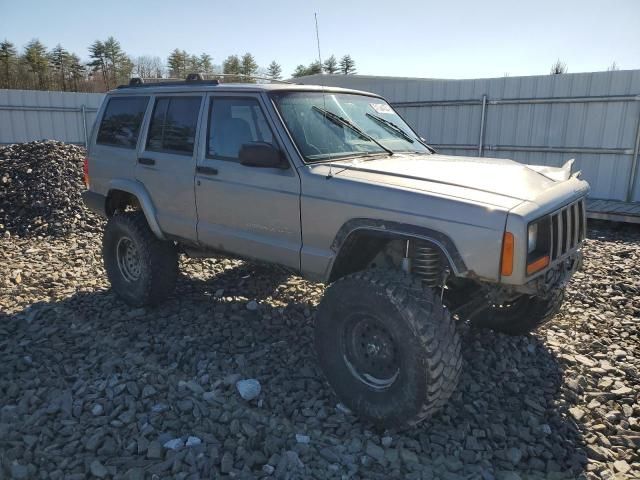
x=27 y=115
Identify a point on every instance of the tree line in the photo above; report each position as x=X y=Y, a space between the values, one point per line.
x=38 y=68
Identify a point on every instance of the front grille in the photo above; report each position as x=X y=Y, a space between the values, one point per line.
x=568 y=228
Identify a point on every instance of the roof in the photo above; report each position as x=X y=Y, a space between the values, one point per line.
x=231 y=87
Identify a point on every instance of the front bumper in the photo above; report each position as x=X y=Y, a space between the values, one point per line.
x=555 y=277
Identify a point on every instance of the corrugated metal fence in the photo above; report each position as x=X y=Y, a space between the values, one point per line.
x=27 y=115
x=547 y=119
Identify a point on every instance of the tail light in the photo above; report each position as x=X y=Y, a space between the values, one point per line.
x=85 y=171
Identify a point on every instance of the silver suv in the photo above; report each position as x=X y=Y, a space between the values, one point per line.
x=334 y=185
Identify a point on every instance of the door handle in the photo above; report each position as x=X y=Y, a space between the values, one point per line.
x=206 y=170
x=146 y=161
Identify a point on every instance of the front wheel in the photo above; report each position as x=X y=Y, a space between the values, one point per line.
x=142 y=269
x=522 y=315
x=388 y=347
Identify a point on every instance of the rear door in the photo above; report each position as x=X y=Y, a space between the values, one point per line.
x=166 y=161
x=248 y=211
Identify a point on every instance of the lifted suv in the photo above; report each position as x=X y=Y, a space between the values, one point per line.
x=334 y=185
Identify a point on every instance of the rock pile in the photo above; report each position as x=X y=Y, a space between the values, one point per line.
x=40 y=186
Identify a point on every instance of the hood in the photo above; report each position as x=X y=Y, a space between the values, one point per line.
x=491 y=176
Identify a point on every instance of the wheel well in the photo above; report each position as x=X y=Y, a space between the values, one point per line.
x=363 y=247
x=119 y=200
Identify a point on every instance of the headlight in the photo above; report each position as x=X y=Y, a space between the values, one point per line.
x=532 y=241
x=538 y=244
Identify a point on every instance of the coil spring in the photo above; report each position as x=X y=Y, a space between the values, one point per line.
x=426 y=263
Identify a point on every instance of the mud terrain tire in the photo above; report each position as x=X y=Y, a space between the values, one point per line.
x=388 y=347
x=142 y=269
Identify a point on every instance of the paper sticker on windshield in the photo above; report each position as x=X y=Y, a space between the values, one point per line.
x=381 y=107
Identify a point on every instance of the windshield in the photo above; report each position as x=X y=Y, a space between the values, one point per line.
x=328 y=125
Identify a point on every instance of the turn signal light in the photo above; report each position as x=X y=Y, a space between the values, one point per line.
x=85 y=171
x=508 y=244
x=537 y=265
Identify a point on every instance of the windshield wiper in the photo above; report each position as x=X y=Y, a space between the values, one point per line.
x=343 y=122
x=392 y=127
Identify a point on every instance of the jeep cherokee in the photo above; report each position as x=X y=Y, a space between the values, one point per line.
x=334 y=185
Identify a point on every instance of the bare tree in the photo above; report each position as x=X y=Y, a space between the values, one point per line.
x=559 y=68
x=147 y=66
x=613 y=67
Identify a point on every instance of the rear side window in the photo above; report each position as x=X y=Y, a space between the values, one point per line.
x=121 y=121
x=234 y=122
x=173 y=124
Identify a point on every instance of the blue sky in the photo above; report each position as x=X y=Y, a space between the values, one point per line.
x=413 y=38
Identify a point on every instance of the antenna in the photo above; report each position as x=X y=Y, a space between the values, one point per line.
x=324 y=100
x=315 y=15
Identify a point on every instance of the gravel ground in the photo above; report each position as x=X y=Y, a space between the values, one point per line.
x=91 y=388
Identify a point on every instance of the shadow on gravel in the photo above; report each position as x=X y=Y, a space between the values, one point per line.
x=90 y=378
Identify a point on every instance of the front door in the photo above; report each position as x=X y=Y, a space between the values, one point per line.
x=166 y=161
x=248 y=211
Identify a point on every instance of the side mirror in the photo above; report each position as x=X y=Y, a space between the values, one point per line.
x=261 y=154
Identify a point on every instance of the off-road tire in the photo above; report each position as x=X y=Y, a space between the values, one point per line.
x=525 y=315
x=158 y=266
x=428 y=350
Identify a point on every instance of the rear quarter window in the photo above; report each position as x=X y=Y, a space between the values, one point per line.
x=173 y=125
x=120 y=125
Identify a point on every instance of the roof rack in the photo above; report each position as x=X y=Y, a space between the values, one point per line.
x=192 y=78
x=255 y=77
x=195 y=78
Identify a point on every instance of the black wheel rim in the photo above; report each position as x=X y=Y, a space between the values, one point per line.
x=128 y=259
x=370 y=352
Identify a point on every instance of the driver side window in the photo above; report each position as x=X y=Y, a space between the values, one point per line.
x=233 y=122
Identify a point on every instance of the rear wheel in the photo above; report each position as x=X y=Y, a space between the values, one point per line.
x=141 y=268
x=522 y=315
x=388 y=347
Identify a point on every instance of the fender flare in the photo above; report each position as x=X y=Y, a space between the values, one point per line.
x=385 y=227
x=138 y=190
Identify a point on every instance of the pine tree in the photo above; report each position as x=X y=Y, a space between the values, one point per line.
x=121 y=65
x=8 y=64
x=300 y=71
x=248 y=67
x=193 y=64
x=274 y=71
x=330 y=65
x=59 y=58
x=231 y=66
x=178 y=63
x=36 y=58
x=205 y=63
x=347 y=65
x=314 y=68
x=76 y=71
x=98 y=63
